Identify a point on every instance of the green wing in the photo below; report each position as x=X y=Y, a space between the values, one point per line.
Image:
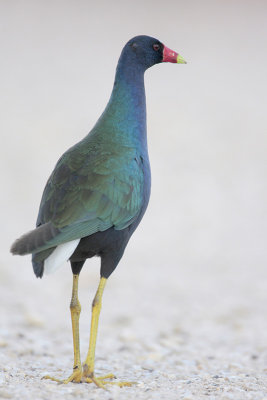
x=92 y=189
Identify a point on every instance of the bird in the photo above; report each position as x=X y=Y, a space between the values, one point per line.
x=98 y=193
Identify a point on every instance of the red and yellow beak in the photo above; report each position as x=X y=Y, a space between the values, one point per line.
x=171 y=56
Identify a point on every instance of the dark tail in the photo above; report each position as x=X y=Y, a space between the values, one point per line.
x=38 y=260
x=35 y=240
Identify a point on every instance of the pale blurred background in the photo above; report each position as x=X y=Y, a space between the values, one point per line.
x=202 y=244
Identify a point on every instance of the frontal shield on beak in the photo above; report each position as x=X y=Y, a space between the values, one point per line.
x=171 y=56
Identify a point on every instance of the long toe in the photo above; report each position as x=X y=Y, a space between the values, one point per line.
x=52 y=378
x=102 y=382
x=76 y=376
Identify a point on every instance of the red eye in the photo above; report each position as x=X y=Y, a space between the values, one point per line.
x=156 y=47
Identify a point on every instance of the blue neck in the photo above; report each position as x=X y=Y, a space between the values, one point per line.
x=124 y=118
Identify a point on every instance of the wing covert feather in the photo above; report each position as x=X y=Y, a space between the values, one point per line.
x=93 y=191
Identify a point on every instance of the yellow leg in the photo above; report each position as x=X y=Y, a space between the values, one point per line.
x=86 y=374
x=75 y=309
x=89 y=364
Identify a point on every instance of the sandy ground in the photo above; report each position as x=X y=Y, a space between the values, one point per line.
x=184 y=314
x=201 y=336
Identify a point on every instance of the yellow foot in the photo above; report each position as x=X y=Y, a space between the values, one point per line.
x=79 y=376
x=76 y=376
x=102 y=382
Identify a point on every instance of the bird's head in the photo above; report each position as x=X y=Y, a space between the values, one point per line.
x=147 y=51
